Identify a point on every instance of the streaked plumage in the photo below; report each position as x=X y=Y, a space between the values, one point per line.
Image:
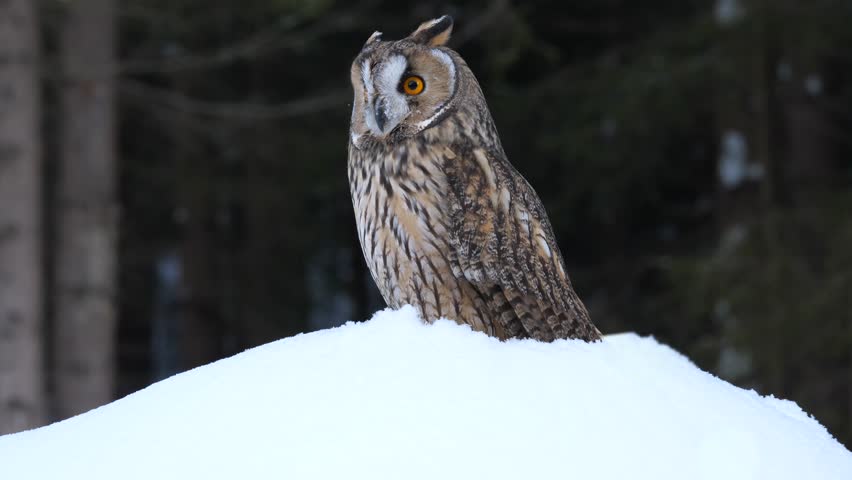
x=446 y=223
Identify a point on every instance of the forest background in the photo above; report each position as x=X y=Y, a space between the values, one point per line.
x=173 y=183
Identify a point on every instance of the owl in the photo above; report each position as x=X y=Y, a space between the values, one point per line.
x=446 y=223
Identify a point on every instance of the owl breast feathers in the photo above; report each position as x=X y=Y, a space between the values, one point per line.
x=446 y=223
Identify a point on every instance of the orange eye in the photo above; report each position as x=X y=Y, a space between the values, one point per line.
x=413 y=85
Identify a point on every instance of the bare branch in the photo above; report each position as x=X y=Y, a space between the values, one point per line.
x=271 y=39
x=480 y=22
x=241 y=110
x=253 y=46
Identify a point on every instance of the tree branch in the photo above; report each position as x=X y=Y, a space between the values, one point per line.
x=241 y=110
x=266 y=40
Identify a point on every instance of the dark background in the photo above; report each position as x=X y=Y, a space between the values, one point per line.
x=694 y=157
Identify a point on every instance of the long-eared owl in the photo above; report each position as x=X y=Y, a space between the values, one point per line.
x=446 y=223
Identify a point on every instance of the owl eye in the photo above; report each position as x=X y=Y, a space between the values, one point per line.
x=413 y=85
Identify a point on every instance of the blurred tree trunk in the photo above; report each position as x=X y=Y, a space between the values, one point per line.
x=748 y=165
x=21 y=294
x=199 y=332
x=86 y=212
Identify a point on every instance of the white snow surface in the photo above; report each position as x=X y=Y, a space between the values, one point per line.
x=393 y=398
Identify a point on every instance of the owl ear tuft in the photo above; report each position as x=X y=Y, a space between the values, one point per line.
x=375 y=37
x=434 y=32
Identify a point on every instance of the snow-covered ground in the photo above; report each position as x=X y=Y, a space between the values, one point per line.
x=395 y=399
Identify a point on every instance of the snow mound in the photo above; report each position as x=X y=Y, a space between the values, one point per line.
x=393 y=398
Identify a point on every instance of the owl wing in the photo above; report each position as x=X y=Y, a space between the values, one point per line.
x=504 y=246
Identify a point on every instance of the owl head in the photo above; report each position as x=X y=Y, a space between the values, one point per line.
x=403 y=87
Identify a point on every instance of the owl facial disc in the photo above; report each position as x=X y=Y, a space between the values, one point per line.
x=385 y=106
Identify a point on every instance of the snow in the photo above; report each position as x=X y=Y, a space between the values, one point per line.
x=394 y=398
x=784 y=71
x=728 y=11
x=813 y=84
x=734 y=166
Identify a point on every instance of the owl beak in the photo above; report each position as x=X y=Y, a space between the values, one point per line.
x=380 y=114
x=385 y=114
